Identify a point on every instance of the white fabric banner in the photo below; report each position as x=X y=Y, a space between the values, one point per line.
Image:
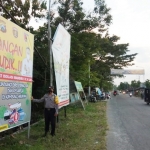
x=61 y=56
x=128 y=71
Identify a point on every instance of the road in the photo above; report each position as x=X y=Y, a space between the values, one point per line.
x=129 y=123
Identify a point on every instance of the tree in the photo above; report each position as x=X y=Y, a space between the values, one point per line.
x=135 y=84
x=110 y=55
x=73 y=17
x=147 y=83
x=84 y=42
x=23 y=12
x=124 y=86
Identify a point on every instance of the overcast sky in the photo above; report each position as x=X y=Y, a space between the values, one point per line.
x=131 y=22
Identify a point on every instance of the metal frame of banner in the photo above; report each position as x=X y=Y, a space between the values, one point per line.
x=28 y=129
x=20 y=125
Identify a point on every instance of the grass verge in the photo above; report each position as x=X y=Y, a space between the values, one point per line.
x=80 y=130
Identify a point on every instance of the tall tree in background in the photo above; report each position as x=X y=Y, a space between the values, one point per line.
x=84 y=42
x=124 y=86
x=23 y=12
x=135 y=84
x=83 y=45
x=111 y=55
x=73 y=17
x=147 y=83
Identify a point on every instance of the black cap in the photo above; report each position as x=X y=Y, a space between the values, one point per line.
x=51 y=87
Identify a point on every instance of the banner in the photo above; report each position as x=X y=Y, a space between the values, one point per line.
x=116 y=71
x=79 y=86
x=61 y=55
x=127 y=71
x=134 y=71
x=16 y=65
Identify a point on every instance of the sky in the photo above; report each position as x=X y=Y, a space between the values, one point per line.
x=131 y=22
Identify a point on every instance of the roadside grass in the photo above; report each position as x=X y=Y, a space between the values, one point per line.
x=80 y=130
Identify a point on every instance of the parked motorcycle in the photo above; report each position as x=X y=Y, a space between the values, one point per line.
x=92 y=98
x=107 y=96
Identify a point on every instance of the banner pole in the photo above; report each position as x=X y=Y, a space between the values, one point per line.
x=89 y=80
x=50 y=45
x=65 y=115
x=28 y=129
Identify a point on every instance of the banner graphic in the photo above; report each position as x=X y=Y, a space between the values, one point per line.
x=16 y=65
x=127 y=71
x=61 y=55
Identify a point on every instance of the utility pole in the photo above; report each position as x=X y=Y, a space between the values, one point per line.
x=89 y=79
x=50 y=44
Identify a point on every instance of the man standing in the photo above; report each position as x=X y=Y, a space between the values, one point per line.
x=50 y=109
x=27 y=64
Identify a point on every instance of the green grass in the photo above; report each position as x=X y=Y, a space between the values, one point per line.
x=80 y=130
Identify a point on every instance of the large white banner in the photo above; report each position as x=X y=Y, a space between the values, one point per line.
x=61 y=56
x=127 y=71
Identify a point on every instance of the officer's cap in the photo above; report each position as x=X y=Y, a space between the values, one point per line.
x=51 y=87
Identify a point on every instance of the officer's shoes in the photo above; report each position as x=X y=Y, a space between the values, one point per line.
x=52 y=134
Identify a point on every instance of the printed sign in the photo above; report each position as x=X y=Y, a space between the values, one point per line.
x=117 y=71
x=78 y=86
x=16 y=64
x=61 y=55
x=127 y=71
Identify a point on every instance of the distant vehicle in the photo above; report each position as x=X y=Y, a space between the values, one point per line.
x=147 y=95
x=98 y=94
x=93 y=98
x=123 y=92
x=115 y=93
x=107 y=96
x=130 y=94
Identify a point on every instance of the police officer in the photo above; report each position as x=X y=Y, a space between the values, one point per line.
x=50 y=110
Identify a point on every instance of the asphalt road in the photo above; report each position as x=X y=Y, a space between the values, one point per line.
x=129 y=123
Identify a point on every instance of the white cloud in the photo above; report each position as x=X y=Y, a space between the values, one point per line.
x=131 y=23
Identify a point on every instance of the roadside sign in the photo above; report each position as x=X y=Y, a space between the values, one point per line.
x=16 y=65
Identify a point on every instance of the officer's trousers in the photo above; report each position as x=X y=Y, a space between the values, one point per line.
x=50 y=118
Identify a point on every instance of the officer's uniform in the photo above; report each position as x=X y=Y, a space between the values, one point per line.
x=50 y=109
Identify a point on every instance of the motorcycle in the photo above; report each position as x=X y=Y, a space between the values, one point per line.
x=92 y=98
x=115 y=93
x=108 y=96
x=130 y=94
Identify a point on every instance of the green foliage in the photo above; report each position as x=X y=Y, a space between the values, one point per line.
x=22 y=13
x=147 y=83
x=135 y=84
x=73 y=17
x=81 y=129
x=124 y=86
x=84 y=43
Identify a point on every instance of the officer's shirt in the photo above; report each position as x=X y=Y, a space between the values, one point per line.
x=48 y=101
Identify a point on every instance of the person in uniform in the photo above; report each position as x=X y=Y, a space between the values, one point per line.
x=50 y=109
